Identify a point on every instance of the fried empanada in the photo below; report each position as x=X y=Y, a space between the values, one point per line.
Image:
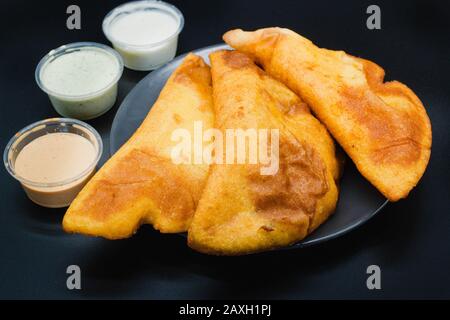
x=140 y=183
x=242 y=211
x=382 y=126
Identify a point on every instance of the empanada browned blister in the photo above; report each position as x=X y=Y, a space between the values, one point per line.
x=242 y=210
x=140 y=183
x=382 y=126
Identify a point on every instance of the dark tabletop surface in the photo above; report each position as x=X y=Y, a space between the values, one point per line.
x=409 y=240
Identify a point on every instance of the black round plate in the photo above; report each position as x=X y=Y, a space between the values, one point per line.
x=358 y=199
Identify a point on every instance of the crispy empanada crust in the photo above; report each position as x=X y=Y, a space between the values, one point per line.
x=382 y=126
x=242 y=211
x=140 y=183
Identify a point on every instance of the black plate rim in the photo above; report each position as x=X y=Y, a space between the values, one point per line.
x=305 y=243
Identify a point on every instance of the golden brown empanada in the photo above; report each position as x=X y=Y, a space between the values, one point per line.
x=382 y=126
x=140 y=183
x=242 y=211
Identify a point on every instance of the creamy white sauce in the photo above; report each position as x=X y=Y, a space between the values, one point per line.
x=80 y=72
x=143 y=27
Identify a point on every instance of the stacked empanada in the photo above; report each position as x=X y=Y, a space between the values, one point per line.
x=235 y=208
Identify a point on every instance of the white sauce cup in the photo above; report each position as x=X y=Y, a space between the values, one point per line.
x=148 y=56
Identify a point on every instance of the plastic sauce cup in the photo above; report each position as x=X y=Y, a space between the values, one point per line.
x=80 y=79
x=144 y=32
x=55 y=194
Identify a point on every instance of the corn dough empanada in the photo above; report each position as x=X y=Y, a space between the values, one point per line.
x=140 y=183
x=242 y=211
x=383 y=127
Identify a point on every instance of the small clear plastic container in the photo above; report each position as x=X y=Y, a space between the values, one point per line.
x=59 y=193
x=148 y=56
x=91 y=103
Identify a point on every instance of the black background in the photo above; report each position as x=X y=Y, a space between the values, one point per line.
x=409 y=240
